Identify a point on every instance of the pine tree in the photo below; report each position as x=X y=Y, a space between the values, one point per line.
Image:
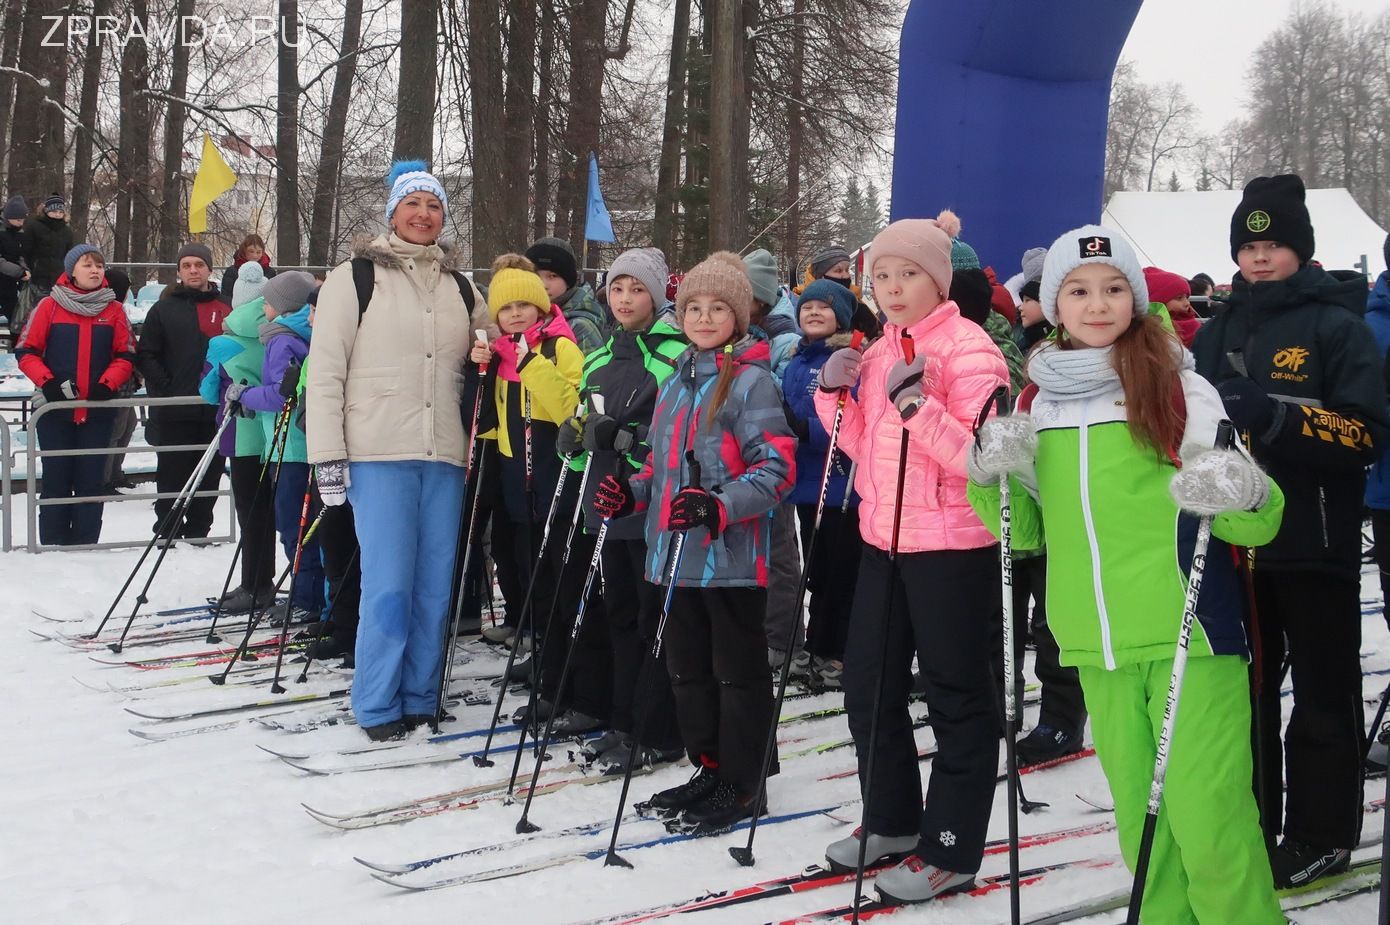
x=873 y=215
x=1173 y=184
x=850 y=211
x=1204 y=181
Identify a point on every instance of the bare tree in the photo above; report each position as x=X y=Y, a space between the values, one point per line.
x=726 y=92
x=87 y=117
x=10 y=28
x=418 y=80
x=668 y=176
x=335 y=127
x=287 y=136
x=39 y=133
x=1171 y=130
x=172 y=208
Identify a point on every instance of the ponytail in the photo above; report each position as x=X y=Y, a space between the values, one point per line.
x=723 y=383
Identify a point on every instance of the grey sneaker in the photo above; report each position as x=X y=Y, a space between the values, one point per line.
x=916 y=881
x=828 y=673
x=843 y=856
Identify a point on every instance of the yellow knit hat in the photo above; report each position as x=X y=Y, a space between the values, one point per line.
x=514 y=280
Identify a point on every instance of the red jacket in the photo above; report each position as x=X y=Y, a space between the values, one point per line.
x=60 y=344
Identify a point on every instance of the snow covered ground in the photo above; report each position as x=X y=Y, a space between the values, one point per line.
x=103 y=827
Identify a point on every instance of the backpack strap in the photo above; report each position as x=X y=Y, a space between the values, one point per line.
x=364 y=281
x=1024 y=403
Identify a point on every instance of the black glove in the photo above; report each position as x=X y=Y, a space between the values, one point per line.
x=289 y=385
x=569 y=440
x=610 y=500
x=694 y=507
x=1250 y=408
x=602 y=433
x=100 y=391
x=55 y=390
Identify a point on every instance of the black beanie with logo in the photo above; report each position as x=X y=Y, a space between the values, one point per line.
x=1273 y=209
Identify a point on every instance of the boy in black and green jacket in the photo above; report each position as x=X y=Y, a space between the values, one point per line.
x=1301 y=378
x=620 y=385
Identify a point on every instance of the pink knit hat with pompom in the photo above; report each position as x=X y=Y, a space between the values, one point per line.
x=921 y=240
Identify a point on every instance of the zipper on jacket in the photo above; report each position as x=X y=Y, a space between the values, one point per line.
x=1084 y=473
x=1322 y=512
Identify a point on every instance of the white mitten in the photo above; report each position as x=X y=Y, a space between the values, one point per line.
x=1004 y=444
x=1217 y=481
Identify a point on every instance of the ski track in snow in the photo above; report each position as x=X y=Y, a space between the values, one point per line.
x=102 y=827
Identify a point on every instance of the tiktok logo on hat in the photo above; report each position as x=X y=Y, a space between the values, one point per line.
x=1095 y=246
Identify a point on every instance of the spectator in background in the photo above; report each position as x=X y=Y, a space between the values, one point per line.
x=13 y=265
x=123 y=427
x=251 y=250
x=173 y=347
x=50 y=239
x=564 y=283
x=1203 y=291
x=1174 y=292
x=1032 y=326
x=77 y=347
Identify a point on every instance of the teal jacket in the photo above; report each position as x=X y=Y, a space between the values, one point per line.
x=236 y=356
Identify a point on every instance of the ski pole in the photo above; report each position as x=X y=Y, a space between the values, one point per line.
x=309 y=656
x=744 y=855
x=677 y=554
x=299 y=544
x=523 y=825
x=849 y=487
x=463 y=546
x=999 y=401
x=526 y=618
x=256 y=614
x=575 y=519
x=890 y=582
x=278 y=438
x=1224 y=432
x=166 y=530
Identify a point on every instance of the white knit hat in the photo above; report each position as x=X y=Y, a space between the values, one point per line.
x=250 y=280
x=1090 y=244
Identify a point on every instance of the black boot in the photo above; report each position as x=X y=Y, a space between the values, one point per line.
x=1297 y=863
x=683 y=796
x=722 y=809
x=387 y=732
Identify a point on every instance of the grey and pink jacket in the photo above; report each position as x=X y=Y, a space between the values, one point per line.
x=747 y=457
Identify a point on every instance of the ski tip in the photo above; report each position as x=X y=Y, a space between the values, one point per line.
x=142 y=734
x=387 y=870
x=393 y=881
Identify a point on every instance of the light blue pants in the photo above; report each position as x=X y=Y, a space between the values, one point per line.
x=407 y=517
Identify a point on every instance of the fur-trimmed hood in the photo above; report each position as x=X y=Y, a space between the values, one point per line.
x=377 y=249
x=834 y=342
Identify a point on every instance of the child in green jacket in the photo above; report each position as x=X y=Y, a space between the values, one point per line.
x=1114 y=458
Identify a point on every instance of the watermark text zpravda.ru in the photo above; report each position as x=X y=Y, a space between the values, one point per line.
x=170 y=31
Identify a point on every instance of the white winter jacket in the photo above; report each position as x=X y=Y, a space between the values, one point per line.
x=388 y=388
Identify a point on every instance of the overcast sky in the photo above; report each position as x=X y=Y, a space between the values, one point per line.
x=1207 y=46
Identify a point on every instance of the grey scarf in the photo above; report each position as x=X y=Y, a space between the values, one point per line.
x=82 y=302
x=1081 y=373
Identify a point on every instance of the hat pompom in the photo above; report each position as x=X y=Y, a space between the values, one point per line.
x=401 y=168
x=512 y=262
x=730 y=258
x=949 y=222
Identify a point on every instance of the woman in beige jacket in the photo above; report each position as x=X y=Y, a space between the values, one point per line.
x=385 y=432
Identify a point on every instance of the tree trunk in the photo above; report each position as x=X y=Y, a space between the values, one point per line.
x=12 y=26
x=668 y=172
x=791 y=241
x=587 y=57
x=544 y=113
x=136 y=177
x=519 y=118
x=485 y=75
x=172 y=209
x=693 y=243
x=38 y=139
x=287 y=137
x=726 y=94
x=335 y=127
x=87 y=115
x=419 y=74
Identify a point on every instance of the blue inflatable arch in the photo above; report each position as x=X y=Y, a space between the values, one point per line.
x=1002 y=110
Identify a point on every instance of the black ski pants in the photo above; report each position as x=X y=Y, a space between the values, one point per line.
x=1312 y=619
x=834 y=574
x=1380 y=532
x=255 y=516
x=1063 y=705
x=343 y=570
x=944 y=608
x=716 y=653
x=642 y=703
x=173 y=469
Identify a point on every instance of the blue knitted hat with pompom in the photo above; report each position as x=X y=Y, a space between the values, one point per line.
x=408 y=177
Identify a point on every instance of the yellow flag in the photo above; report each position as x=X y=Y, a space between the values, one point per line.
x=214 y=178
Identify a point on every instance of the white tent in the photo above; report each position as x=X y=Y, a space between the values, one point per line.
x=1189 y=233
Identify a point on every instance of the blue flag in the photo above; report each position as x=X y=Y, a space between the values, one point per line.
x=597 y=225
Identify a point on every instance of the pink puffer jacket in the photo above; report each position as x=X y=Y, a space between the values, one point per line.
x=963 y=369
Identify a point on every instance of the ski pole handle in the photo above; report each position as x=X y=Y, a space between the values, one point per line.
x=999 y=400
x=856 y=339
x=1225 y=434
x=694 y=465
x=482 y=339
x=909 y=349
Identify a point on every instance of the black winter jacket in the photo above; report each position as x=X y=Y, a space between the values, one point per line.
x=1305 y=341
x=174 y=346
x=14 y=247
x=49 y=242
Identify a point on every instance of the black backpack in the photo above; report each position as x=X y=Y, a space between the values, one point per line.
x=364 y=279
